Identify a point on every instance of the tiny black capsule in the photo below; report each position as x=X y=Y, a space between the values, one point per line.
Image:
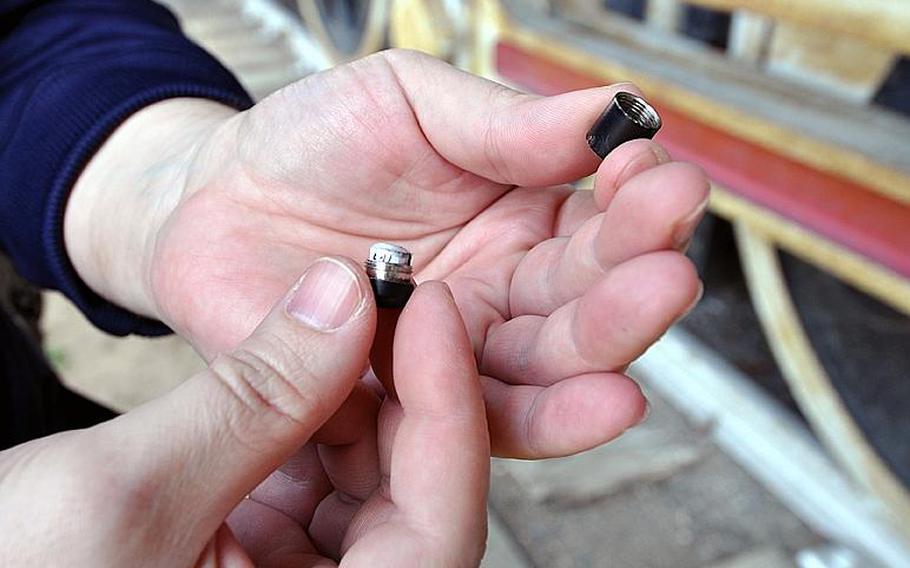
x=627 y=117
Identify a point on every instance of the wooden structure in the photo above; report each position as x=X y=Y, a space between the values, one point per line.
x=779 y=119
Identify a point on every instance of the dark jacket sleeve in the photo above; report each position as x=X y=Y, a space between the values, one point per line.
x=70 y=73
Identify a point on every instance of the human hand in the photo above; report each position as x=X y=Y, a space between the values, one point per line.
x=559 y=289
x=400 y=484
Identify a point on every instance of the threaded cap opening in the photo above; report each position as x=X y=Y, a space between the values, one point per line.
x=638 y=110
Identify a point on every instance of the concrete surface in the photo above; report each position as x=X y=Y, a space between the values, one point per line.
x=120 y=372
x=654 y=451
x=660 y=496
x=672 y=512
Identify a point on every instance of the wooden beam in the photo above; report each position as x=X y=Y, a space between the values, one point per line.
x=829 y=63
x=884 y=23
x=869 y=277
x=819 y=401
x=663 y=14
x=845 y=140
x=769 y=443
x=750 y=37
x=838 y=209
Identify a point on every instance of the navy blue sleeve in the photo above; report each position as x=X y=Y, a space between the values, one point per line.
x=70 y=73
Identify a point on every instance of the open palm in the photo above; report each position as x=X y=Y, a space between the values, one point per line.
x=559 y=289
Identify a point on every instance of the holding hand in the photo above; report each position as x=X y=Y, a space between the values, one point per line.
x=200 y=216
x=330 y=471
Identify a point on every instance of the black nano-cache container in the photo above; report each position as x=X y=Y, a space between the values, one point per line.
x=627 y=117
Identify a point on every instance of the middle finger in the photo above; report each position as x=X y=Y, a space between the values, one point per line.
x=655 y=210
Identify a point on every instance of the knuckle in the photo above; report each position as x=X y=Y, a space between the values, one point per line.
x=259 y=378
x=532 y=427
x=403 y=56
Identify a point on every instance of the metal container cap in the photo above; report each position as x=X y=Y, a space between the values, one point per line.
x=627 y=117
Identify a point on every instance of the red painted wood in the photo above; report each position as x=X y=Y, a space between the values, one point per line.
x=838 y=209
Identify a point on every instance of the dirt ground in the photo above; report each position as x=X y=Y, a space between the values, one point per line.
x=119 y=372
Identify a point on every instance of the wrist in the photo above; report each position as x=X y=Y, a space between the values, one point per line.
x=126 y=192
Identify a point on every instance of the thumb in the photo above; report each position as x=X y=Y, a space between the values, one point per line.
x=507 y=137
x=201 y=448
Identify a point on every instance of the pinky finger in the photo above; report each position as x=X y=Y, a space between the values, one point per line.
x=568 y=417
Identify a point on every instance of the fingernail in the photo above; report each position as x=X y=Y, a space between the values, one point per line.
x=684 y=229
x=326 y=297
x=660 y=154
x=644 y=415
x=698 y=295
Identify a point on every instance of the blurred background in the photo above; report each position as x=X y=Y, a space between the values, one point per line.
x=780 y=425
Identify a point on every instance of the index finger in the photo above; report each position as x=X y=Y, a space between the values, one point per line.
x=440 y=459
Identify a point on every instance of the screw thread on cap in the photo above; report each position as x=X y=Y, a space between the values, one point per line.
x=389 y=269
